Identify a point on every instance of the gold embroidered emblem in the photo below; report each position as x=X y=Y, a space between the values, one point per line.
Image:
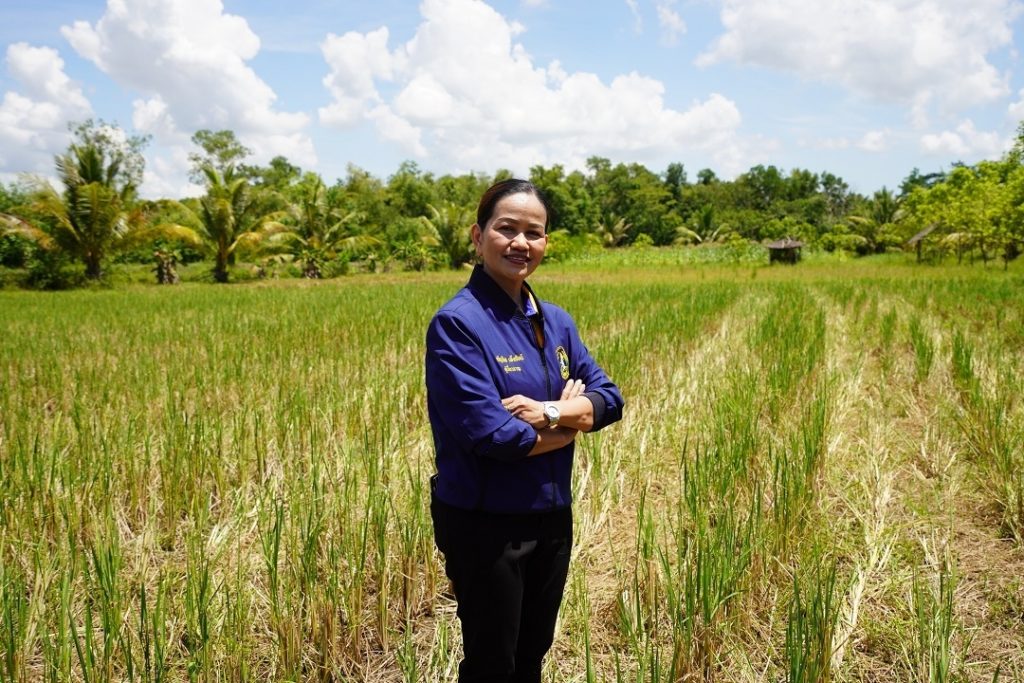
x=563 y=361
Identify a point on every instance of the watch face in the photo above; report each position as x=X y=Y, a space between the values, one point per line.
x=551 y=411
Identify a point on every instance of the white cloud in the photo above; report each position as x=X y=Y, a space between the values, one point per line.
x=965 y=143
x=464 y=92
x=672 y=25
x=913 y=52
x=828 y=144
x=187 y=58
x=1016 y=109
x=634 y=9
x=33 y=123
x=874 y=141
x=356 y=60
x=167 y=174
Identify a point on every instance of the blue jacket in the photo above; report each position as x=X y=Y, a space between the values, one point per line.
x=480 y=349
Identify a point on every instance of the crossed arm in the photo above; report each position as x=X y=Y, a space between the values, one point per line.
x=576 y=410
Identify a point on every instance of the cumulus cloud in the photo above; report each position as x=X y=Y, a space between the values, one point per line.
x=634 y=9
x=33 y=122
x=965 y=142
x=672 y=25
x=465 y=92
x=1016 y=109
x=874 y=141
x=913 y=52
x=188 y=61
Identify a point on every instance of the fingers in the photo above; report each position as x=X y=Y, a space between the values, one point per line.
x=572 y=389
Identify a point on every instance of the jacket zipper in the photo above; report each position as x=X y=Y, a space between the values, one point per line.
x=547 y=381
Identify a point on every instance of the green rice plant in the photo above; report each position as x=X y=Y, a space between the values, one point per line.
x=85 y=649
x=702 y=585
x=201 y=618
x=637 y=603
x=239 y=611
x=795 y=471
x=153 y=634
x=444 y=655
x=924 y=348
x=57 y=630
x=704 y=569
x=414 y=541
x=887 y=334
x=811 y=628
x=934 y=624
x=995 y=436
x=286 y=614
x=105 y=554
x=406 y=657
x=14 y=594
x=579 y=604
x=962 y=366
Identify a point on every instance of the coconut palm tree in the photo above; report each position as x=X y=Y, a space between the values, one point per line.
x=92 y=217
x=877 y=228
x=229 y=217
x=613 y=231
x=448 y=229
x=315 y=232
x=705 y=228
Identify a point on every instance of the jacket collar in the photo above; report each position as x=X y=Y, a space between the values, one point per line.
x=486 y=289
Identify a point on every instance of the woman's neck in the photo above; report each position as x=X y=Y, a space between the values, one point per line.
x=513 y=288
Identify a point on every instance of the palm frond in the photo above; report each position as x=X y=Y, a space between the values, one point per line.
x=165 y=231
x=15 y=225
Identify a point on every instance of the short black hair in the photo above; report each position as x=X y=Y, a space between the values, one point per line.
x=498 y=191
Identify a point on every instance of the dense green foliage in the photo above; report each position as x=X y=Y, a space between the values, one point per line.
x=278 y=214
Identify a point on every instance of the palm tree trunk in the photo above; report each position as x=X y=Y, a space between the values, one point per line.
x=220 y=269
x=93 y=271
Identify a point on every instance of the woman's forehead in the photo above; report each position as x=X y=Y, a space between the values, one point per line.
x=520 y=203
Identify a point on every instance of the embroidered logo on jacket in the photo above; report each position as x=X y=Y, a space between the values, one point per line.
x=563 y=361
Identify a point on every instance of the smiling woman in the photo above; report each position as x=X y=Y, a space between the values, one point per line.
x=509 y=387
x=510 y=234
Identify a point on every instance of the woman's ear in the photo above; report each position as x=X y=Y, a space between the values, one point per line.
x=476 y=234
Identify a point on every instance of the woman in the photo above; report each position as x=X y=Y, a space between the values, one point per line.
x=509 y=386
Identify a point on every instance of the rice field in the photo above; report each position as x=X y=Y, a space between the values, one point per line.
x=819 y=477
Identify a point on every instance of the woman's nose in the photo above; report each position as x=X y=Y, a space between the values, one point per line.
x=520 y=239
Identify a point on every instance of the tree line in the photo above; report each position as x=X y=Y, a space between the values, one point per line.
x=279 y=215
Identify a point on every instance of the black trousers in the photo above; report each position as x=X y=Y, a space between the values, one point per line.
x=508 y=588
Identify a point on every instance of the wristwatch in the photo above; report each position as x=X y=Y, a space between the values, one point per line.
x=552 y=413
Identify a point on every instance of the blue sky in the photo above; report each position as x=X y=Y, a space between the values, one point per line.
x=865 y=89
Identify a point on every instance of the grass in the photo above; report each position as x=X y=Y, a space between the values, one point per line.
x=206 y=482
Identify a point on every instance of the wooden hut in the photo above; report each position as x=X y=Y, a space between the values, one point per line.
x=786 y=250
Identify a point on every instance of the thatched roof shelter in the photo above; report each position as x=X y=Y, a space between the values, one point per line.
x=786 y=250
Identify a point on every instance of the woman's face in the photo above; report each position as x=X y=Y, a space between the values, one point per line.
x=512 y=243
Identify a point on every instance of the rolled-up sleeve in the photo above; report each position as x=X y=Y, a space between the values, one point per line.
x=463 y=396
x=600 y=388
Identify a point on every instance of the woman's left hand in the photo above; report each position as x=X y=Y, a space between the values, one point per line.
x=527 y=410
